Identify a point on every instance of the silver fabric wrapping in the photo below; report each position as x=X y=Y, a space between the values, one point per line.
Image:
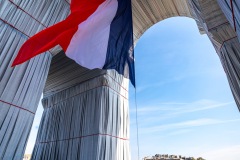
x=229 y=10
x=87 y=121
x=230 y=50
x=21 y=87
x=223 y=38
x=230 y=58
x=65 y=73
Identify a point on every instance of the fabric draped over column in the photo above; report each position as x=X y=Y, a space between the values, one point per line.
x=231 y=9
x=87 y=121
x=223 y=38
x=230 y=58
x=21 y=87
x=230 y=49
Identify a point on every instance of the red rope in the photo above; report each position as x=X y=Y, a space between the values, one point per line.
x=227 y=40
x=30 y=14
x=218 y=26
x=18 y=7
x=67 y=2
x=233 y=16
x=116 y=91
x=90 y=90
x=17 y=29
x=98 y=134
x=17 y=106
x=14 y=27
x=117 y=82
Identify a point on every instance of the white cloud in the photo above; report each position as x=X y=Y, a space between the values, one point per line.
x=177 y=78
x=184 y=107
x=173 y=110
x=170 y=110
x=225 y=153
x=202 y=105
x=179 y=132
x=186 y=124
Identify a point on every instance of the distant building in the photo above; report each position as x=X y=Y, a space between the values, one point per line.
x=170 y=157
x=27 y=157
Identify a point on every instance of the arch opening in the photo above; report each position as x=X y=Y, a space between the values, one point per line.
x=200 y=94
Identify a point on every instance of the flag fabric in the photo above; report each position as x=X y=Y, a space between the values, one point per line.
x=96 y=34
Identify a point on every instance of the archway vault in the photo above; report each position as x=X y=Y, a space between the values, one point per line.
x=148 y=13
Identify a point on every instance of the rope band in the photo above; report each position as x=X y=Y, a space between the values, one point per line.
x=17 y=107
x=80 y=137
x=226 y=41
x=233 y=15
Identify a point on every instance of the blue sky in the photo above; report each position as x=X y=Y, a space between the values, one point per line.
x=185 y=106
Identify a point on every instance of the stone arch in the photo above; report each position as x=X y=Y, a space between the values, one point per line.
x=210 y=19
x=148 y=13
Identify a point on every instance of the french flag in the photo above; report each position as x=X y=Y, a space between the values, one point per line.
x=97 y=34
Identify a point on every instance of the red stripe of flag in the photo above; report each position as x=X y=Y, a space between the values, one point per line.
x=60 y=33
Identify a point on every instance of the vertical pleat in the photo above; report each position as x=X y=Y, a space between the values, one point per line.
x=232 y=13
x=21 y=87
x=87 y=121
x=215 y=18
x=230 y=58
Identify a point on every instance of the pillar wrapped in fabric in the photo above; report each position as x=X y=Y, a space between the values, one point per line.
x=223 y=38
x=231 y=9
x=20 y=91
x=86 y=117
x=230 y=49
x=230 y=58
x=21 y=87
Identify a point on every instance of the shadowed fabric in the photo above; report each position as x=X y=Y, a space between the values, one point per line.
x=223 y=38
x=87 y=121
x=231 y=9
x=21 y=87
x=230 y=58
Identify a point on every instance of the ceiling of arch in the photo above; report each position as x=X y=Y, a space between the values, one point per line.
x=148 y=12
